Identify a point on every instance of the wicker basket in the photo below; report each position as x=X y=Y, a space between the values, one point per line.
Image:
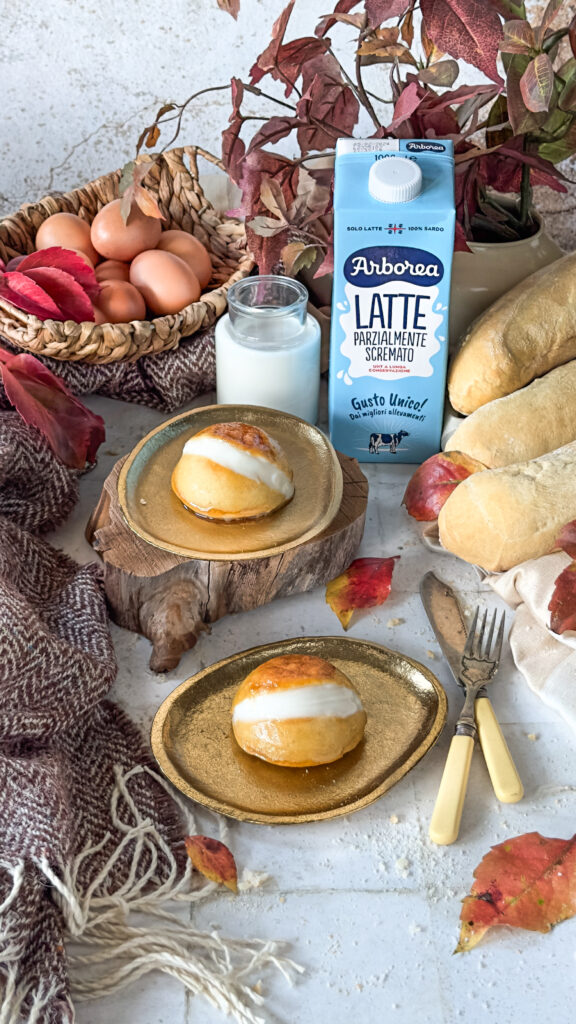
x=185 y=206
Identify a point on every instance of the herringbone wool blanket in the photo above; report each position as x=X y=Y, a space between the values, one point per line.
x=88 y=832
x=164 y=381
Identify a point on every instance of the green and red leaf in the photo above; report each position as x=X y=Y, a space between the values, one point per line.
x=518 y=37
x=73 y=432
x=537 y=84
x=213 y=859
x=366 y=583
x=525 y=882
x=433 y=482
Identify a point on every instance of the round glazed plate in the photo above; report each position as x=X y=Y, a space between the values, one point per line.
x=194 y=746
x=153 y=511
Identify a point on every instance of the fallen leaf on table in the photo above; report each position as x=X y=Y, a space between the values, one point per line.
x=563 y=600
x=73 y=432
x=526 y=882
x=365 y=584
x=434 y=481
x=213 y=859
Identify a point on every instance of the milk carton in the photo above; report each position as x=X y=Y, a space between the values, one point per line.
x=393 y=241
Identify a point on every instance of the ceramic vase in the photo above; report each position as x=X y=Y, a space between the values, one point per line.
x=481 y=276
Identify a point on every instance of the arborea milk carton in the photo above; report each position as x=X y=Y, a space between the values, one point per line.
x=393 y=240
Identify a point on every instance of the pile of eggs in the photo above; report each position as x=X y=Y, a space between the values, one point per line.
x=137 y=265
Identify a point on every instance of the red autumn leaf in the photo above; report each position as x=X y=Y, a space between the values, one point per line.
x=73 y=432
x=327 y=265
x=407 y=103
x=433 y=483
x=266 y=62
x=525 y=882
x=230 y=6
x=548 y=17
x=70 y=297
x=365 y=584
x=63 y=259
x=12 y=264
x=293 y=55
x=381 y=10
x=566 y=541
x=213 y=859
x=342 y=7
x=233 y=150
x=537 y=84
x=276 y=128
x=28 y=296
x=328 y=99
x=469 y=30
x=563 y=601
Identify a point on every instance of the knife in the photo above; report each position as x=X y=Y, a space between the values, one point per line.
x=447 y=621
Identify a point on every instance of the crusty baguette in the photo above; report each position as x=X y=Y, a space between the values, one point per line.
x=537 y=419
x=528 y=331
x=500 y=517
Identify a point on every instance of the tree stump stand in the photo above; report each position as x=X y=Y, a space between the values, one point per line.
x=171 y=599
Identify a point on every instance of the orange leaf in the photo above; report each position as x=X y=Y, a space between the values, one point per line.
x=365 y=584
x=526 y=882
x=434 y=481
x=147 y=202
x=213 y=859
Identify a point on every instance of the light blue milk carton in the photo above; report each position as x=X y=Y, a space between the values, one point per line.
x=393 y=240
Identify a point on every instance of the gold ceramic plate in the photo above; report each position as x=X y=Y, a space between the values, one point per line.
x=193 y=743
x=153 y=511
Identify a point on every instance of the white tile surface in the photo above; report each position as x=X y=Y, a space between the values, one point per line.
x=368 y=904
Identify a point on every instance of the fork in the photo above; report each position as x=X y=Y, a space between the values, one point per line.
x=480 y=659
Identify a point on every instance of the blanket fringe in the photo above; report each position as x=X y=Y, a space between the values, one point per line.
x=207 y=964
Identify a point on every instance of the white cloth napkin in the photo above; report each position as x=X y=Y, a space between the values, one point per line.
x=546 y=660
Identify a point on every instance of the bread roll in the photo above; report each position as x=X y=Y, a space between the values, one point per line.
x=501 y=517
x=232 y=472
x=297 y=710
x=537 y=419
x=528 y=331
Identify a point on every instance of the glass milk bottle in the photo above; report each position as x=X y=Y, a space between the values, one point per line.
x=268 y=347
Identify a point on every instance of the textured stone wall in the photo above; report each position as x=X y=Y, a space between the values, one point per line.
x=79 y=80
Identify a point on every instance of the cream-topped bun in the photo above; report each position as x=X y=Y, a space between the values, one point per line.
x=233 y=471
x=297 y=710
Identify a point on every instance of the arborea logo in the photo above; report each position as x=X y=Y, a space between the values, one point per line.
x=374 y=266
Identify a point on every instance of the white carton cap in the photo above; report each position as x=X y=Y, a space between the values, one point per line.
x=395 y=180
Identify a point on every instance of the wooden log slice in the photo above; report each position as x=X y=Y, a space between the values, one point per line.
x=171 y=599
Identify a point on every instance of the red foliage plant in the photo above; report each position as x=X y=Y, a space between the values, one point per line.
x=508 y=132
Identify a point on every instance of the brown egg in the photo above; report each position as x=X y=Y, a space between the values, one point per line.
x=119 y=302
x=116 y=240
x=67 y=230
x=189 y=249
x=112 y=270
x=99 y=317
x=166 y=281
x=85 y=257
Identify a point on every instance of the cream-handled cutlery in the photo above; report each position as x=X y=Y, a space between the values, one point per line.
x=446 y=618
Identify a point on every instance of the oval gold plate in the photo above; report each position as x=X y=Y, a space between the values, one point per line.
x=194 y=746
x=153 y=511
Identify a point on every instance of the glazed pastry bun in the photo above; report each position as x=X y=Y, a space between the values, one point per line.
x=233 y=471
x=297 y=711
